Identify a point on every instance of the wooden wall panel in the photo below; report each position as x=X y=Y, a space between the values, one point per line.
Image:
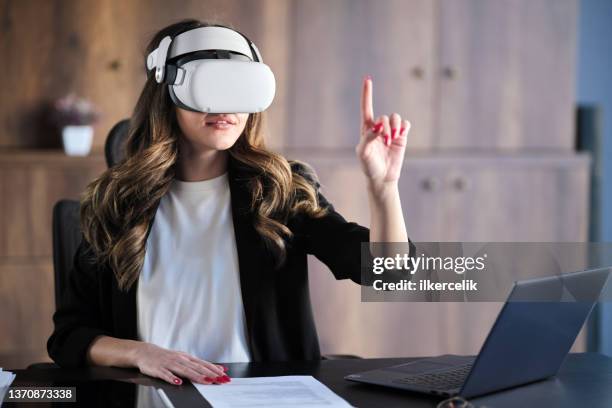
x=31 y=184
x=16 y=217
x=27 y=304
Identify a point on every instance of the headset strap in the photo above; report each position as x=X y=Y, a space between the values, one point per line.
x=199 y=39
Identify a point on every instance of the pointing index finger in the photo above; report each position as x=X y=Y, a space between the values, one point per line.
x=367 y=111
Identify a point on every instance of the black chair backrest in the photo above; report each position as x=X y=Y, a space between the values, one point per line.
x=66 y=214
x=114 y=146
x=66 y=240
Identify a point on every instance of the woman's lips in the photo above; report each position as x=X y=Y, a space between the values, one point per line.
x=219 y=124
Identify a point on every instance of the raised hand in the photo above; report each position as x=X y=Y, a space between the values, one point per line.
x=382 y=143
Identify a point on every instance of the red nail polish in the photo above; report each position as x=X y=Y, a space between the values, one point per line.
x=225 y=368
x=208 y=379
x=377 y=127
x=402 y=130
x=177 y=381
x=393 y=131
x=226 y=378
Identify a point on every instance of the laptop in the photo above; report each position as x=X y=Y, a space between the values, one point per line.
x=528 y=342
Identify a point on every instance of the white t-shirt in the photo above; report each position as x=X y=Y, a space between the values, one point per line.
x=188 y=295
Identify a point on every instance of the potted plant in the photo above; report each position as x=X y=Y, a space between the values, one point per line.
x=75 y=117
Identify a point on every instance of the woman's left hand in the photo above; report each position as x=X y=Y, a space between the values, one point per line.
x=382 y=144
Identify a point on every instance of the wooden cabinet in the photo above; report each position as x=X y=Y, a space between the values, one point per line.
x=489 y=89
x=475 y=198
x=469 y=74
x=478 y=198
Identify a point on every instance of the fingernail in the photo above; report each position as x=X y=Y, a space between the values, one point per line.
x=219 y=379
x=225 y=368
x=402 y=130
x=208 y=379
x=177 y=381
x=393 y=131
x=227 y=378
x=368 y=77
x=376 y=127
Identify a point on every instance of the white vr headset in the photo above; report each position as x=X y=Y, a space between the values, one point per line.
x=215 y=70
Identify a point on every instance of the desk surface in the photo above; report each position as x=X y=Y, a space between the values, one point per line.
x=584 y=380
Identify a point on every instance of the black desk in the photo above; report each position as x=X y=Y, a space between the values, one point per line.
x=584 y=380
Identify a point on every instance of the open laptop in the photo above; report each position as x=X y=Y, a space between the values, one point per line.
x=533 y=333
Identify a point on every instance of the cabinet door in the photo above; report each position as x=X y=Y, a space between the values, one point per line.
x=422 y=193
x=336 y=43
x=506 y=74
x=518 y=199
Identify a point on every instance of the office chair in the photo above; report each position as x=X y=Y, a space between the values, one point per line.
x=113 y=148
x=66 y=231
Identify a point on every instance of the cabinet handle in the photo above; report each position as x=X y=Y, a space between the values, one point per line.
x=418 y=72
x=429 y=184
x=449 y=72
x=460 y=183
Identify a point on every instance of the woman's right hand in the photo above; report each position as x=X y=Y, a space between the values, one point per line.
x=172 y=366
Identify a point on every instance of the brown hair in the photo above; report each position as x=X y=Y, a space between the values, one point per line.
x=118 y=207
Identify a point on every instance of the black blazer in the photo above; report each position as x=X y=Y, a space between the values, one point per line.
x=278 y=313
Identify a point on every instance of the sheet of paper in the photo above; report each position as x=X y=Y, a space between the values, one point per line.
x=6 y=379
x=296 y=391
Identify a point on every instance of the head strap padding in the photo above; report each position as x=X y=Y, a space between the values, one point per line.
x=199 y=39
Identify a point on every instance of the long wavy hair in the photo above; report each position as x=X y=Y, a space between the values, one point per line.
x=118 y=206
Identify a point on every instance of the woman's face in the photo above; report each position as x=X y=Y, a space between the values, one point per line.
x=210 y=131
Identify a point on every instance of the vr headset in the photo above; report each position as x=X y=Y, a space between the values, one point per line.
x=215 y=70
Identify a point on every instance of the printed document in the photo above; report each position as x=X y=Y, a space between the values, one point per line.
x=296 y=391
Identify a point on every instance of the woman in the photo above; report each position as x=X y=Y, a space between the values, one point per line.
x=194 y=246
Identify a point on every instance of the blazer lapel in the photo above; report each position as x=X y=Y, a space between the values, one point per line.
x=252 y=256
x=124 y=310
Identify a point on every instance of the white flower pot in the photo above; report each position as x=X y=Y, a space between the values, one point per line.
x=77 y=140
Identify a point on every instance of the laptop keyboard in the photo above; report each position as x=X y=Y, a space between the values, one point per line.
x=439 y=380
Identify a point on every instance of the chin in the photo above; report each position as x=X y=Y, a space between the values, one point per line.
x=223 y=144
